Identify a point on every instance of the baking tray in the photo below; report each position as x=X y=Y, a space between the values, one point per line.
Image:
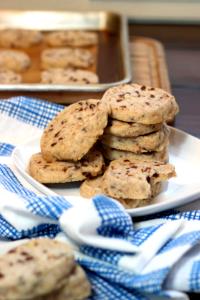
x=113 y=58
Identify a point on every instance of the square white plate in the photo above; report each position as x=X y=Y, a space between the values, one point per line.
x=184 y=153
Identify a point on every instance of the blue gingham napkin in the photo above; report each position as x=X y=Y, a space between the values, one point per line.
x=143 y=258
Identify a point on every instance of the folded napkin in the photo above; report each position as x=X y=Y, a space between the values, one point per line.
x=124 y=258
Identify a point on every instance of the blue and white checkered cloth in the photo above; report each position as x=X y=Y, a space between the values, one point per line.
x=143 y=258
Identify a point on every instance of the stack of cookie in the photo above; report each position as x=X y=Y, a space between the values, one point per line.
x=137 y=128
x=42 y=269
x=67 y=152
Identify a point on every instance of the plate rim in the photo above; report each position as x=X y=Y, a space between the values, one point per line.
x=135 y=212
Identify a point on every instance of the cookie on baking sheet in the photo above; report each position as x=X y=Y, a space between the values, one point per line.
x=14 y=60
x=9 y=77
x=131 y=179
x=77 y=287
x=140 y=104
x=67 y=57
x=19 y=38
x=68 y=76
x=35 y=268
x=66 y=171
x=73 y=132
x=91 y=187
x=155 y=141
x=124 y=129
x=73 y=38
x=112 y=154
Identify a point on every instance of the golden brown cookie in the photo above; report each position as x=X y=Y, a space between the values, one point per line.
x=66 y=171
x=129 y=179
x=35 y=268
x=19 y=38
x=14 y=60
x=155 y=141
x=68 y=76
x=72 y=38
x=73 y=132
x=67 y=57
x=140 y=104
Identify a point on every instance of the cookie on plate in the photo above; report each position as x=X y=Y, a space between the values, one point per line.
x=14 y=60
x=19 y=38
x=67 y=57
x=129 y=179
x=155 y=141
x=66 y=171
x=73 y=38
x=140 y=104
x=112 y=154
x=77 y=287
x=68 y=76
x=91 y=187
x=73 y=132
x=124 y=129
x=9 y=77
x=35 y=268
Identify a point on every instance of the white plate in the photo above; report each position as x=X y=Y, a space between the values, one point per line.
x=184 y=154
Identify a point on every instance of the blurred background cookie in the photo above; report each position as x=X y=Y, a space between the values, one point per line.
x=19 y=38
x=14 y=60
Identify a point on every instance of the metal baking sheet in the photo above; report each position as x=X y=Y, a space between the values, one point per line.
x=113 y=59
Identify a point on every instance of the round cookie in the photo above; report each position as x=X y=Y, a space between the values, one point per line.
x=125 y=129
x=66 y=171
x=19 y=38
x=112 y=154
x=35 y=268
x=9 y=77
x=67 y=57
x=68 y=76
x=77 y=287
x=155 y=141
x=73 y=38
x=129 y=179
x=73 y=132
x=91 y=187
x=14 y=60
x=140 y=104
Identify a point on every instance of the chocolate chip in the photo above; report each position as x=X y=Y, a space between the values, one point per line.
x=53 y=144
x=143 y=87
x=152 y=96
x=148 y=179
x=2 y=275
x=147 y=103
x=119 y=100
x=57 y=133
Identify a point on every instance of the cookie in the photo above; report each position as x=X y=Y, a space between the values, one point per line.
x=35 y=268
x=68 y=76
x=66 y=171
x=129 y=179
x=14 y=60
x=9 y=77
x=72 y=38
x=155 y=141
x=112 y=154
x=73 y=132
x=67 y=57
x=77 y=287
x=125 y=129
x=134 y=203
x=19 y=38
x=140 y=104
x=91 y=187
